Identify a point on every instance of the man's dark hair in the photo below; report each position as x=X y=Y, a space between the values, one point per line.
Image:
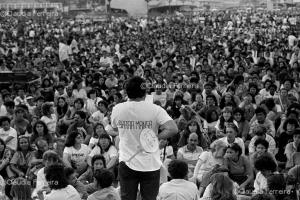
x=263 y=142
x=56 y=177
x=98 y=157
x=260 y=110
x=178 y=169
x=260 y=130
x=265 y=162
x=81 y=114
x=104 y=178
x=136 y=88
x=4 y=119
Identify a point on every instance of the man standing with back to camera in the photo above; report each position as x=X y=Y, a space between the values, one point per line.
x=130 y=118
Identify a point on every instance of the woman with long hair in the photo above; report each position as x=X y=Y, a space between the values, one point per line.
x=221 y=187
x=61 y=107
x=21 y=159
x=76 y=153
x=209 y=159
x=243 y=124
x=49 y=118
x=193 y=127
x=40 y=130
x=224 y=120
x=98 y=130
x=240 y=170
x=106 y=148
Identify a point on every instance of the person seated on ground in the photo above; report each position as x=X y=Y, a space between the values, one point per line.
x=261 y=120
x=294 y=160
x=106 y=148
x=49 y=158
x=277 y=187
x=289 y=127
x=265 y=166
x=190 y=153
x=8 y=134
x=20 y=189
x=261 y=149
x=89 y=176
x=81 y=125
x=40 y=130
x=240 y=170
x=261 y=133
x=20 y=162
x=72 y=180
x=193 y=127
x=98 y=130
x=59 y=146
x=230 y=137
x=178 y=186
x=221 y=187
x=291 y=147
x=104 y=180
x=76 y=153
x=208 y=159
x=36 y=162
x=58 y=184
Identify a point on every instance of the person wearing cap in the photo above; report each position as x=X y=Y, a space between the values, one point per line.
x=30 y=104
x=129 y=120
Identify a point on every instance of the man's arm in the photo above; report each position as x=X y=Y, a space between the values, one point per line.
x=169 y=129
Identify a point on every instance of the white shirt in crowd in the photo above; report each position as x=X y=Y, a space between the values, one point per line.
x=79 y=157
x=67 y=193
x=178 y=189
x=12 y=144
x=237 y=140
x=131 y=118
x=50 y=122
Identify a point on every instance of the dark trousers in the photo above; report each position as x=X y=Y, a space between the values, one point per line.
x=130 y=179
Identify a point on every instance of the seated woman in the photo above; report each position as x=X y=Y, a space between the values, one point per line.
x=221 y=187
x=106 y=148
x=98 y=130
x=261 y=149
x=36 y=162
x=20 y=162
x=225 y=118
x=40 y=130
x=58 y=184
x=104 y=179
x=98 y=162
x=76 y=153
x=240 y=170
x=208 y=160
x=21 y=124
x=49 y=118
x=266 y=166
x=193 y=127
x=5 y=156
x=294 y=159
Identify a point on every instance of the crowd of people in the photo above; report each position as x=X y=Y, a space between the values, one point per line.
x=229 y=80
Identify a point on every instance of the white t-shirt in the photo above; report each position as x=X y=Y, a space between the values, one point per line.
x=78 y=157
x=131 y=118
x=208 y=163
x=68 y=193
x=112 y=152
x=50 y=122
x=13 y=133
